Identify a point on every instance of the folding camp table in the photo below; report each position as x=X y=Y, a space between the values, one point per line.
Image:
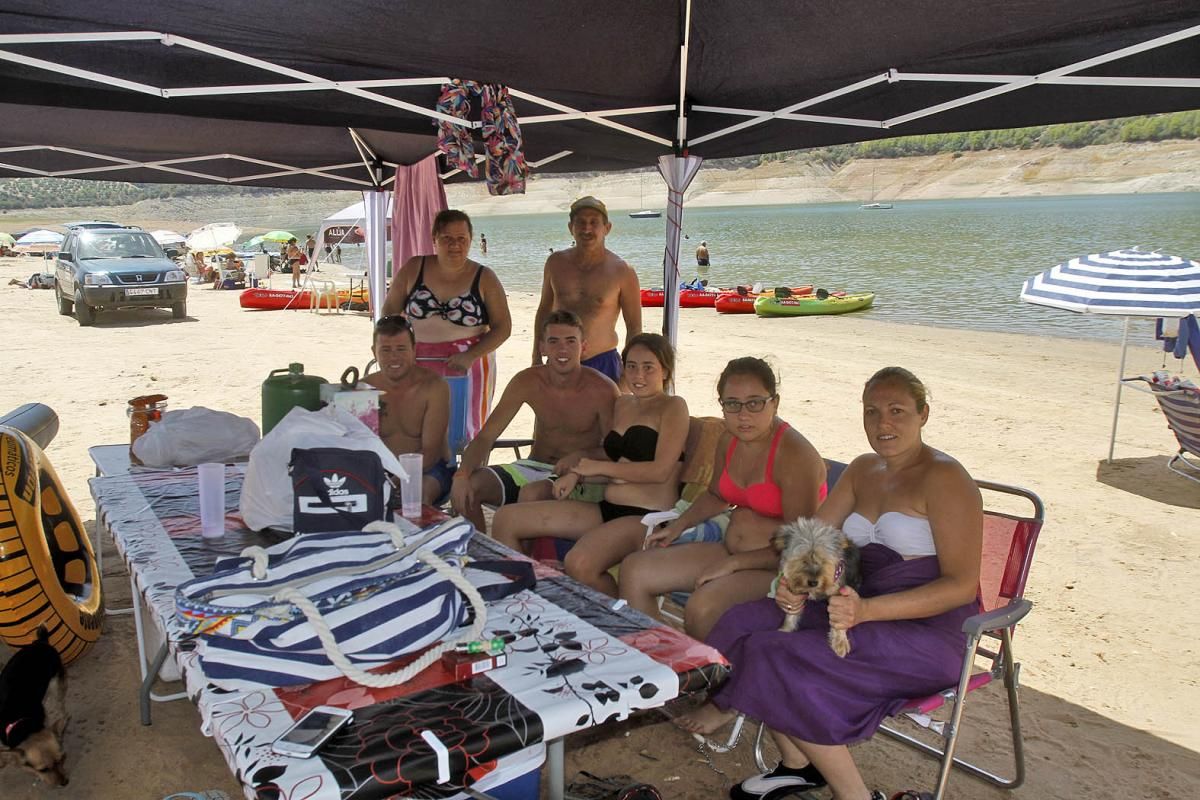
x=625 y=662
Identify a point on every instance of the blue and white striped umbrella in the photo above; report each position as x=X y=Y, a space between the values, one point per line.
x=1123 y=282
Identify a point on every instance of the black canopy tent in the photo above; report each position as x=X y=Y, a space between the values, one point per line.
x=298 y=95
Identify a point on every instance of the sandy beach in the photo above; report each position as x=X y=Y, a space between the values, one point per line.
x=1111 y=674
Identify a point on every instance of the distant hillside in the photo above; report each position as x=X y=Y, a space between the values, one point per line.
x=50 y=192
x=37 y=193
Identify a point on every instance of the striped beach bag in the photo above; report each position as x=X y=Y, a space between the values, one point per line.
x=322 y=606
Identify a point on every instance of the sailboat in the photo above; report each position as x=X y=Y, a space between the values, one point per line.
x=871 y=205
x=644 y=213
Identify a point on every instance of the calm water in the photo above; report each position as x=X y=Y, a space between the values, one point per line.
x=956 y=263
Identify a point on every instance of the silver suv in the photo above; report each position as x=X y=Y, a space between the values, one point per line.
x=107 y=268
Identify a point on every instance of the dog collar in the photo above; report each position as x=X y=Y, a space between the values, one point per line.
x=839 y=570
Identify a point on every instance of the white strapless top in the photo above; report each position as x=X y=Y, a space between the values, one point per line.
x=907 y=535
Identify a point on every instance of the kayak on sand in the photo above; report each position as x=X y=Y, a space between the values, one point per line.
x=742 y=302
x=688 y=298
x=811 y=305
x=278 y=299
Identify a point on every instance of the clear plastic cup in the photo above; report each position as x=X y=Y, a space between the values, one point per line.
x=410 y=485
x=212 y=500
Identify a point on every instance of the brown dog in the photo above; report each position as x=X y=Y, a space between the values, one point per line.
x=33 y=712
x=817 y=560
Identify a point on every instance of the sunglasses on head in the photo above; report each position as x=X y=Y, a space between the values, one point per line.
x=396 y=321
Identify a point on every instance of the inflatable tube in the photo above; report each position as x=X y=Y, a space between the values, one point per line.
x=48 y=574
x=36 y=420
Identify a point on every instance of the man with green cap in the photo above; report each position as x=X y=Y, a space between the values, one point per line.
x=595 y=284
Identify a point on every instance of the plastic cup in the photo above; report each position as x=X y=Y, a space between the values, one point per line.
x=212 y=500
x=410 y=486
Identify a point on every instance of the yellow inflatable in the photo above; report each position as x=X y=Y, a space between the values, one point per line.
x=48 y=574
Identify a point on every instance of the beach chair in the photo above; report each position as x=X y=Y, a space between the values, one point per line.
x=1009 y=540
x=1180 y=404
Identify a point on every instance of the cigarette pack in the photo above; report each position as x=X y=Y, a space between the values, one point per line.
x=466 y=665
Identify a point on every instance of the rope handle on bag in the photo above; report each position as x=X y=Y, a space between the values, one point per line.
x=375 y=681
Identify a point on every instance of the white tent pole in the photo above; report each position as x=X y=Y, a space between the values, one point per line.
x=1112 y=440
x=678 y=172
x=375 y=203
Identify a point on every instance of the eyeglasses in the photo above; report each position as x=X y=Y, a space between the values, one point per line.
x=753 y=405
x=448 y=241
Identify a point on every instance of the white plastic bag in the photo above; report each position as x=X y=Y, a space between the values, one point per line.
x=267 y=490
x=196 y=435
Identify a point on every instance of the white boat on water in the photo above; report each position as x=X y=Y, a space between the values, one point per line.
x=871 y=205
x=645 y=214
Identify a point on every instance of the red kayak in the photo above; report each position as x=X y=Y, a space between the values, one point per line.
x=273 y=299
x=688 y=298
x=737 y=303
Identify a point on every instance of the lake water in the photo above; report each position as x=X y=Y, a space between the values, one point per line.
x=955 y=263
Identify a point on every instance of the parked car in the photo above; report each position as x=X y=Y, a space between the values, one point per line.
x=117 y=267
x=84 y=224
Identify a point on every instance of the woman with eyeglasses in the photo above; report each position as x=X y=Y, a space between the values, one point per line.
x=767 y=472
x=458 y=311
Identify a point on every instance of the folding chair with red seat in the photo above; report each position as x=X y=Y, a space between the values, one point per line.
x=1009 y=540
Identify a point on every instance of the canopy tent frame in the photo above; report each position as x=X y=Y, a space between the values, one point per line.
x=308 y=82
x=371 y=90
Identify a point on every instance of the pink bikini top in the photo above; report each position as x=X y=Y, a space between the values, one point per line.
x=764 y=498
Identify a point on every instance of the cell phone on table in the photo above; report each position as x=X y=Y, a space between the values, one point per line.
x=310 y=733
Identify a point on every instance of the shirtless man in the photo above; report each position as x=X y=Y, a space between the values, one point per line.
x=593 y=283
x=572 y=410
x=414 y=411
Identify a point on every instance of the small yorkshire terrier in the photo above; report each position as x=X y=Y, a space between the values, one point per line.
x=33 y=713
x=818 y=560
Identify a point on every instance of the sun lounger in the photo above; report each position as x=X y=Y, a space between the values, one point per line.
x=1180 y=404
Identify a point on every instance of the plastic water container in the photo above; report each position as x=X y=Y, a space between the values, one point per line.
x=284 y=389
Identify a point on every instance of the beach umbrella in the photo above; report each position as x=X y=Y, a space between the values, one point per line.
x=210 y=237
x=168 y=237
x=254 y=242
x=7 y=239
x=1124 y=283
x=41 y=236
x=277 y=236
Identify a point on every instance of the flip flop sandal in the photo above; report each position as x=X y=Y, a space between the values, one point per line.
x=773 y=786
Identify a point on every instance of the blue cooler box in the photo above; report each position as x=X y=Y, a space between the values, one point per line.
x=516 y=777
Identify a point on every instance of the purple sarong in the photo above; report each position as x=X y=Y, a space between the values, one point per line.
x=796 y=684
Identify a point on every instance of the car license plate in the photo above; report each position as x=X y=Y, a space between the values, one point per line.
x=145 y=290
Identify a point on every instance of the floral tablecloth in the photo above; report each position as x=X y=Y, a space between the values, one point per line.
x=494 y=725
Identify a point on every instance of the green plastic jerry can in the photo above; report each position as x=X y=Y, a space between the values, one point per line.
x=284 y=389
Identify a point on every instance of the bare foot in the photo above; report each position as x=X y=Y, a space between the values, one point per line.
x=705 y=720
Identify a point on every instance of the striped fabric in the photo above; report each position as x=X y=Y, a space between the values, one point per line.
x=1123 y=282
x=380 y=603
x=1182 y=410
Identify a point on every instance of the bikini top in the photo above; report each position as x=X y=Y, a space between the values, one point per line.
x=908 y=535
x=467 y=309
x=764 y=498
x=637 y=443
